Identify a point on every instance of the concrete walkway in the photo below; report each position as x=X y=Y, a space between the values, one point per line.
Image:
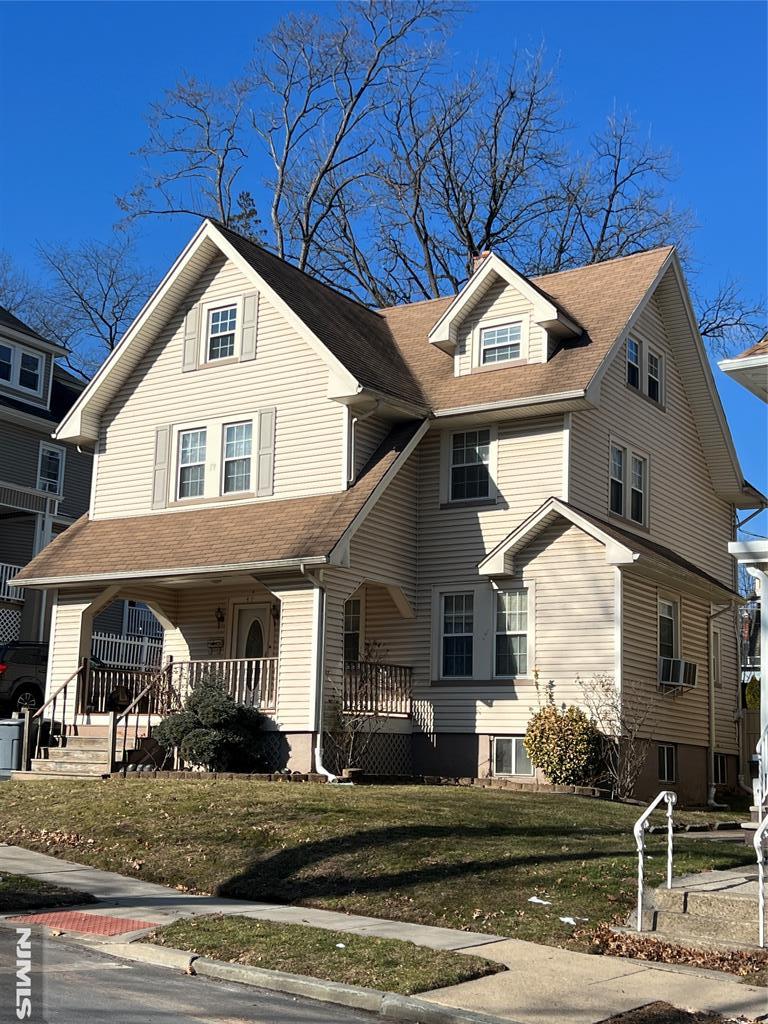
x=543 y=984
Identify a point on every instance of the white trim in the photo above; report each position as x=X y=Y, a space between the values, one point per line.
x=223 y=460
x=491 y=323
x=630 y=452
x=439 y=593
x=28 y=419
x=618 y=626
x=566 y=482
x=61 y=451
x=23 y=338
x=513 y=403
x=206 y=308
x=17 y=351
x=529 y=586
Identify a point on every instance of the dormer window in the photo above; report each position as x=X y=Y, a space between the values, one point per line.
x=222 y=327
x=21 y=368
x=501 y=343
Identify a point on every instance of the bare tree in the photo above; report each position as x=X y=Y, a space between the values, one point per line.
x=16 y=288
x=620 y=713
x=729 y=321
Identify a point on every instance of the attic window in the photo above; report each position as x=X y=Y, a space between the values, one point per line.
x=633 y=363
x=21 y=368
x=222 y=324
x=501 y=343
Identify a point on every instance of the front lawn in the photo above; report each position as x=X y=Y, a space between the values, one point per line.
x=461 y=858
x=17 y=892
x=386 y=964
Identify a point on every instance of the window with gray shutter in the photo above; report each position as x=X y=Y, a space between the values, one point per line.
x=250 y=326
x=191 y=338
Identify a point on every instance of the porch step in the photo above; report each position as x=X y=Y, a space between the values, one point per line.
x=91 y=752
x=54 y=766
x=685 y=928
x=86 y=742
x=89 y=731
x=723 y=916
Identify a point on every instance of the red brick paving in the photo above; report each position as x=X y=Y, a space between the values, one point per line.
x=91 y=924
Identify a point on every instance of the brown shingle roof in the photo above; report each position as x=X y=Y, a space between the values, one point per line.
x=600 y=298
x=209 y=538
x=760 y=349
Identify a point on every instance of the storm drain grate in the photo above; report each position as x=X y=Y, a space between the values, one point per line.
x=91 y=924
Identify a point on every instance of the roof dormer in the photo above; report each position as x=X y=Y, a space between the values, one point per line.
x=500 y=318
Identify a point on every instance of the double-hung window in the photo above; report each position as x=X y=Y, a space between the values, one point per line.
x=501 y=343
x=669 y=628
x=21 y=368
x=470 y=465
x=721 y=770
x=457 y=627
x=511 y=648
x=654 y=376
x=191 y=480
x=628 y=485
x=352 y=631
x=633 y=363
x=50 y=471
x=510 y=756
x=667 y=765
x=222 y=325
x=237 y=457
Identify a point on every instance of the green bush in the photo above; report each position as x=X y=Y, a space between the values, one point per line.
x=564 y=744
x=213 y=731
x=753 y=694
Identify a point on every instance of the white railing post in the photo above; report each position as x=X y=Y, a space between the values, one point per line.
x=759 y=843
x=670 y=798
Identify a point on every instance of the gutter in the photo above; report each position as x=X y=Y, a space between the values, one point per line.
x=511 y=403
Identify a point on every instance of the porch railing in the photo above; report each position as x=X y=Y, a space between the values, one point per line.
x=127 y=651
x=7 y=572
x=668 y=797
x=140 y=620
x=371 y=688
x=250 y=681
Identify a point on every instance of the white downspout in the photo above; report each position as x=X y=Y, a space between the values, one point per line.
x=319 y=626
x=351 y=472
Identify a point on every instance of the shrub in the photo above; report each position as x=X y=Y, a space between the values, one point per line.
x=213 y=731
x=564 y=744
x=753 y=694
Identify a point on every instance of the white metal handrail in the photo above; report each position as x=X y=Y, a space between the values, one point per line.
x=759 y=843
x=761 y=782
x=670 y=798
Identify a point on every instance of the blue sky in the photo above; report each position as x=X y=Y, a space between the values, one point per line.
x=76 y=80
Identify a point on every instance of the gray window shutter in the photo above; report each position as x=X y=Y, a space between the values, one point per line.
x=250 y=326
x=265 y=452
x=160 y=477
x=191 y=338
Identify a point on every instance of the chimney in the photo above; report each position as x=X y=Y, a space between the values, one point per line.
x=478 y=257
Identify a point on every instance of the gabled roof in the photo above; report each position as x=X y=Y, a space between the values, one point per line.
x=622 y=547
x=12 y=325
x=750 y=368
x=229 y=538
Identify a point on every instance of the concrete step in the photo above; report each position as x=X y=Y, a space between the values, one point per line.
x=39 y=776
x=690 y=928
x=697 y=942
x=90 y=753
x=52 y=766
x=717 y=906
x=89 y=741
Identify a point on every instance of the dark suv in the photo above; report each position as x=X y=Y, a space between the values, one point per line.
x=22 y=674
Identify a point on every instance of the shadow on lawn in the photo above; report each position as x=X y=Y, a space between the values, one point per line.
x=276 y=877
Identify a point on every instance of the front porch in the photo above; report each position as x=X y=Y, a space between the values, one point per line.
x=274 y=644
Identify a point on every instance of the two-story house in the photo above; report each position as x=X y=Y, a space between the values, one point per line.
x=44 y=483
x=532 y=478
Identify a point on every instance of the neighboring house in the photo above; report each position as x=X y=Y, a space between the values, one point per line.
x=44 y=483
x=750 y=369
x=533 y=478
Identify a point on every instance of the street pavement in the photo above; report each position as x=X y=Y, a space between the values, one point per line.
x=72 y=984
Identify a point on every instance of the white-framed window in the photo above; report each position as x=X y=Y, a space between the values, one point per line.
x=457 y=630
x=669 y=628
x=50 y=468
x=21 y=368
x=221 y=331
x=633 y=363
x=501 y=342
x=721 y=770
x=655 y=376
x=717 y=672
x=353 y=621
x=191 y=472
x=470 y=460
x=236 y=458
x=510 y=756
x=628 y=484
x=511 y=633
x=618 y=459
x=667 y=754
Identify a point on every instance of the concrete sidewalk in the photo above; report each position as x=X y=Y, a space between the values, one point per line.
x=543 y=984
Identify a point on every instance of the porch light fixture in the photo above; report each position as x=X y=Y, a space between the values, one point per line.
x=220 y=616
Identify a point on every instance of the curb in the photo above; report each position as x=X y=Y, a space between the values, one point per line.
x=389 y=1005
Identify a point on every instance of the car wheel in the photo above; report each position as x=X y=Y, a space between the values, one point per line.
x=27 y=698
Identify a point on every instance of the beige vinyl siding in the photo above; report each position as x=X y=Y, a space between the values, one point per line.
x=69 y=641
x=501 y=301
x=385 y=546
x=727 y=696
x=286 y=374
x=339 y=585
x=679 y=718
x=571 y=604
x=78 y=467
x=685 y=513
x=369 y=433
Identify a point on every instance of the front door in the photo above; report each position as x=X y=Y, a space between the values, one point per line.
x=251 y=631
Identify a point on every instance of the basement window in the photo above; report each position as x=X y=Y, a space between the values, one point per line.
x=721 y=770
x=667 y=762
x=510 y=756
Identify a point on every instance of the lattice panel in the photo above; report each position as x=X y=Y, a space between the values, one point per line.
x=273 y=752
x=388 y=754
x=10 y=624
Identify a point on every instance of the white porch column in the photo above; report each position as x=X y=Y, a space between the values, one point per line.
x=761 y=576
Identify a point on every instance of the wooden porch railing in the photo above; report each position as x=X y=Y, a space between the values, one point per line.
x=54 y=711
x=375 y=689
x=251 y=681
x=7 y=572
